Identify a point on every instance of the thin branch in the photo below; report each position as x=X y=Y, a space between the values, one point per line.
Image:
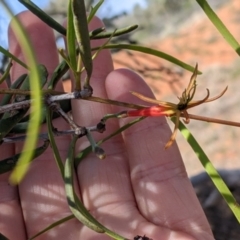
x=16 y=105
x=213 y=120
x=44 y=136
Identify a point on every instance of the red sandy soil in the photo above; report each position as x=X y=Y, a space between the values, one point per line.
x=196 y=42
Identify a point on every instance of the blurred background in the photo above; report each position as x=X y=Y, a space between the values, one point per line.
x=181 y=29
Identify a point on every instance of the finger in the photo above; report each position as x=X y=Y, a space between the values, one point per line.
x=10 y=210
x=101 y=182
x=43 y=41
x=85 y=112
x=42 y=191
x=163 y=192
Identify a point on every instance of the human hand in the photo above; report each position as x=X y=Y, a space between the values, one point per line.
x=139 y=189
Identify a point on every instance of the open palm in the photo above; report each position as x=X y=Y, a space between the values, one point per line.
x=139 y=189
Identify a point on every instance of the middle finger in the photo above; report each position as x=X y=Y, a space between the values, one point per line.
x=104 y=184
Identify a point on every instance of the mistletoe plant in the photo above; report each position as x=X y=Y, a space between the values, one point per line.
x=33 y=92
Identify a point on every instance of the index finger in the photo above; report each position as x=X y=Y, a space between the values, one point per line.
x=163 y=192
x=42 y=192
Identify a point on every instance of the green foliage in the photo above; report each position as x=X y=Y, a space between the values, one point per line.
x=34 y=122
x=211 y=171
x=80 y=58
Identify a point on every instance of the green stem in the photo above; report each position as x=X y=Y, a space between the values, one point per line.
x=211 y=171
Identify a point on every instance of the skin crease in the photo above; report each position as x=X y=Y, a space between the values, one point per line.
x=139 y=189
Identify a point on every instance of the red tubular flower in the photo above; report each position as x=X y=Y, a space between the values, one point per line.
x=153 y=111
x=171 y=109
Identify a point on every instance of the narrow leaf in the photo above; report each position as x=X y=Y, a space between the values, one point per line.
x=82 y=36
x=71 y=196
x=211 y=171
x=7 y=97
x=8 y=164
x=59 y=71
x=6 y=73
x=94 y=10
x=57 y=223
x=153 y=52
x=71 y=39
x=2 y=237
x=53 y=143
x=76 y=206
x=23 y=126
x=6 y=124
x=9 y=55
x=219 y=25
x=83 y=154
x=10 y=119
x=43 y=16
x=117 y=32
x=34 y=124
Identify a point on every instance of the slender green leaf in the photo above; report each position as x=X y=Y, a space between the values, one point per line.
x=7 y=97
x=23 y=126
x=153 y=52
x=75 y=205
x=64 y=104
x=59 y=71
x=10 y=119
x=8 y=164
x=83 y=40
x=71 y=196
x=53 y=143
x=43 y=74
x=65 y=57
x=211 y=171
x=43 y=16
x=20 y=128
x=95 y=147
x=71 y=39
x=6 y=73
x=96 y=31
x=34 y=124
x=51 y=226
x=2 y=237
x=95 y=35
x=219 y=25
x=102 y=47
x=83 y=154
x=94 y=10
x=9 y=55
x=6 y=124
